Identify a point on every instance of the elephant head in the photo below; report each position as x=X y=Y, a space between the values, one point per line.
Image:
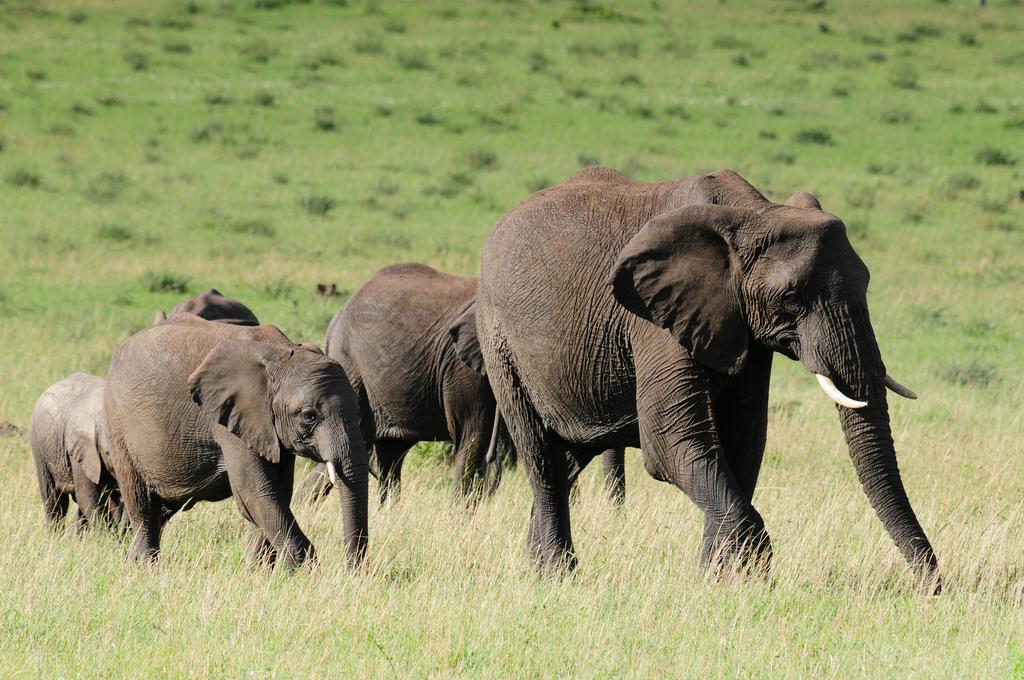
x=213 y=306
x=282 y=397
x=722 y=278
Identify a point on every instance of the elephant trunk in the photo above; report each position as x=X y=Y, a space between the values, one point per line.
x=854 y=361
x=348 y=466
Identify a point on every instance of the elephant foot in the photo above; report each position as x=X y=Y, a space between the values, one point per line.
x=297 y=554
x=740 y=546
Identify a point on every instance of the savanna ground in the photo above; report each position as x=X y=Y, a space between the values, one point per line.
x=152 y=150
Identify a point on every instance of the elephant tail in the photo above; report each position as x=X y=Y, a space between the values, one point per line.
x=492 y=448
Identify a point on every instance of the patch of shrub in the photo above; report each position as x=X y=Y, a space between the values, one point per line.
x=970 y=374
x=983 y=106
x=481 y=159
x=318 y=205
x=395 y=26
x=896 y=116
x=819 y=136
x=992 y=156
x=80 y=109
x=109 y=100
x=105 y=187
x=35 y=75
x=961 y=181
x=324 y=119
x=427 y=118
x=968 y=40
x=264 y=98
x=368 y=45
x=114 y=232
x=257 y=50
x=21 y=177
x=163 y=282
x=216 y=99
x=177 y=48
x=136 y=59
x=586 y=160
x=454 y=184
x=740 y=60
x=782 y=157
x=254 y=227
x=412 y=60
x=905 y=78
x=538 y=61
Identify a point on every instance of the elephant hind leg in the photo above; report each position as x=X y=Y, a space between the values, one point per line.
x=614 y=463
x=55 y=502
x=543 y=456
x=390 y=455
x=143 y=508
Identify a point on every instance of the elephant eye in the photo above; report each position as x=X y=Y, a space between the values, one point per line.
x=308 y=414
x=791 y=303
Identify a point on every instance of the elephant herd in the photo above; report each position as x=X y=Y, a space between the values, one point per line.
x=608 y=313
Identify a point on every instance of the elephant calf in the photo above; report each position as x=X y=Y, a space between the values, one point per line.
x=199 y=411
x=69 y=447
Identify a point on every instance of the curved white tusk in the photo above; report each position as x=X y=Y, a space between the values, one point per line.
x=332 y=473
x=837 y=396
x=899 y=389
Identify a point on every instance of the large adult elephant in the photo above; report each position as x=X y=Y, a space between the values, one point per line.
x=68 y=441
x=198 y=410
x=612 y=312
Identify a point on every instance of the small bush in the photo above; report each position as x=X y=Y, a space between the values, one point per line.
x=782 y=157
x=368 y=45
x=114 y=232
x=177 y=48
x=395 y=26
x=740 y=60
x=961 y=181
x=258 y=51
x=983 y=106
x=896 y=116
x=993 y=156
x=318 y=205
x=80 y=109
x=137 y=59
x=109 y=100
x=35 y=75
x=23 y=178
x=538 y=61
x=216 y=99
x=264 y=98
x=254 y=227
x=105 y=187
x=677 y=111
x=905 y=78
x=970 y=374
x=413 y=61
x=968 y=40
x=481 y=159
x=163 y=282
x=819 y=136
x=324 y=119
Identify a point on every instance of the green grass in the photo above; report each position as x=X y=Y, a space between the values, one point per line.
x=153 y=150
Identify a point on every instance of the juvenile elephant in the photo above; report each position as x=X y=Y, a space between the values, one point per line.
x=213 y=306
x=69 y=449
x=199 y=411
x=392 y=337
x=612 y=312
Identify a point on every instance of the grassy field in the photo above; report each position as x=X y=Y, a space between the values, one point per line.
x=150 y=150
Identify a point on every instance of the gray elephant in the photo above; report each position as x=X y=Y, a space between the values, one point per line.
x=213 y=306
x=68 y=442
x=200 y=411
x=612 y=312
x=392 y=337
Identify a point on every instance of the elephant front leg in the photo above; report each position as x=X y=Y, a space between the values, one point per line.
x=681 y=445
x=262 y=492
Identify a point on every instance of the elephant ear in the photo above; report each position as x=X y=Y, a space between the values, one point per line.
x=467 y=343
x=681 y=272
x=802 y=199
x=81 y=440
x=232 y=388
